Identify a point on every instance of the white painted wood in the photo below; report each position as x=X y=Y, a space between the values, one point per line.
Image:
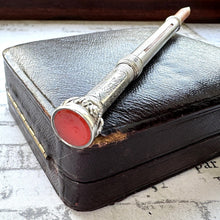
x=25 y=191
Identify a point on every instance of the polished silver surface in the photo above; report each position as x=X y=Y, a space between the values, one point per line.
x=87 y=107
x=98 y=100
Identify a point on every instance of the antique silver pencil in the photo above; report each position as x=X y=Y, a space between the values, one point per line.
x=79 y=120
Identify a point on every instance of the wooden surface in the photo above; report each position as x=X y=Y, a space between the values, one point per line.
x=203 y=10
x=25 y=191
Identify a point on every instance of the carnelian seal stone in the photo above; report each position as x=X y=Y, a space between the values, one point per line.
x=72 y=127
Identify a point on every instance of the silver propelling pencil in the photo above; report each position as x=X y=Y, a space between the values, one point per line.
x=79 y=120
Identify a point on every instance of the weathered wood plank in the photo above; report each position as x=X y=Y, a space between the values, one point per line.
x=3 y=98
x=26 y=188
x=11 y=134
x=27 y=194
x=15 y=157
x=5 y=116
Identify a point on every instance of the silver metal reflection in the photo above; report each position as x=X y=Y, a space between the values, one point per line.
x=92 y=106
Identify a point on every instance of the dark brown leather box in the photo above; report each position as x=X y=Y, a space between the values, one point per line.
x=166 y=121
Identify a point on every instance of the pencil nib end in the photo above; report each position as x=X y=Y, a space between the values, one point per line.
x=183 y=14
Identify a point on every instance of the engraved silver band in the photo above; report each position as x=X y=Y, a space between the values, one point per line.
x=92 y=106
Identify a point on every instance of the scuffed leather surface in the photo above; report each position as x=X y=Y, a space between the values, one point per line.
x=181 y=81
x=80 y=196
x=183 y=72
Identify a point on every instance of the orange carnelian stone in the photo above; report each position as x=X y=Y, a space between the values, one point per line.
x=72 y=128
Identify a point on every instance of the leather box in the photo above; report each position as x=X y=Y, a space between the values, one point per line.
x=165 y=122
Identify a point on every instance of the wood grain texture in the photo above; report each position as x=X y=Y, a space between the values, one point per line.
x=202 y=10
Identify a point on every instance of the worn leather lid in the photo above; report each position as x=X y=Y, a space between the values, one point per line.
x=181 y=80
x=184 y=72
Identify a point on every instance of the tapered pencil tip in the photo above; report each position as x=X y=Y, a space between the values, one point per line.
x=183 y=14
